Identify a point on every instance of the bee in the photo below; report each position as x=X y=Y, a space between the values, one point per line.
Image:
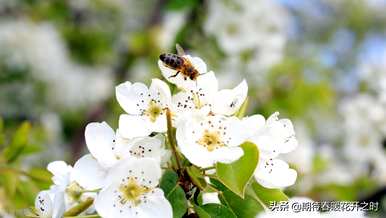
x=180 y=64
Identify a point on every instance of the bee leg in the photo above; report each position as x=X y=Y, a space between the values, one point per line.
x=174 y=74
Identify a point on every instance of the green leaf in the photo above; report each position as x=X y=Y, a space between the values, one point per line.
x=215 y=211
x=10 y=181
x=196 y=177
x=40 y=175
x=26 y=191
x=174 y=193
x=248 y=207
x=178 y=201
x=31 y=149
x=235 y=176
x=168 y=181
x=266 y=195
x=18 y=144
x=201 y=212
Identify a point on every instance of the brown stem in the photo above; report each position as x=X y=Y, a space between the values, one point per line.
x=171 y=139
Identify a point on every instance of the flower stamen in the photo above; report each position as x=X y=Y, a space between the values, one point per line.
x=132 y=191
x=153 y=111
x=211 y=140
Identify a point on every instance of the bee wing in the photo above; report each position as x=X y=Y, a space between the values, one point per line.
x=180 y=50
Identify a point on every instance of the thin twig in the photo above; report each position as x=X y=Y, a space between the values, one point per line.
x=172 y=142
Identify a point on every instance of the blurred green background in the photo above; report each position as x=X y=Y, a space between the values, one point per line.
x=321 y=63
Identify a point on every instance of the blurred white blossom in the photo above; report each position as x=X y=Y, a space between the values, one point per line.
x=364 y=120
x=253 y=32
x=39 y=47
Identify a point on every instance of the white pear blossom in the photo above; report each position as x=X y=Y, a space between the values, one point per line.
x=123 y=169
x=229 y=101
x=201 y=95
x=61 y=172
x=180 y=80
x=133 y=192
x=209 y=139
x=233 y=23
x=52 y=203
x=144 y=107
x=106 y=149
x=302 y=156
x=363 y=143
x=40 y=48
x=273 y=137
x=206 y=94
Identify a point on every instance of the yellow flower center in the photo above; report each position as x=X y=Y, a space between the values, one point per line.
x=74 y=191
x=153 y=111
x=131 y=191
x=211 y=140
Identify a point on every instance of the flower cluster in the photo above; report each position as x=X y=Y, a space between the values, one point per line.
x=203 y=126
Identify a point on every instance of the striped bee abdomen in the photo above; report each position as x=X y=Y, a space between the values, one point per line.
x=171 y=60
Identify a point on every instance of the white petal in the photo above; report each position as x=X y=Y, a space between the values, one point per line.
x=210 y=198
x=273 y=118
x=43 y=204
x=160 y=87
x=100 y=140
x=133 y=126
x=147 y=147
x=229 y=130
x=227 y=154
x=250 y=125
x=160 y=124
x=132 y=97
x=198 y=97
x=228 y=101
x=266 y=145
x=88 y=173
x=276 y=137
x=107 y=205
x=58 y=205
x=61 y=172
x=58 y=168
x=237 y=131
x=274 y=174
x=208 y=82
x=183 y=101
x=288 y=136
x=196 y=154
x=156 y=206
x=198 y=63
x=146 y=170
